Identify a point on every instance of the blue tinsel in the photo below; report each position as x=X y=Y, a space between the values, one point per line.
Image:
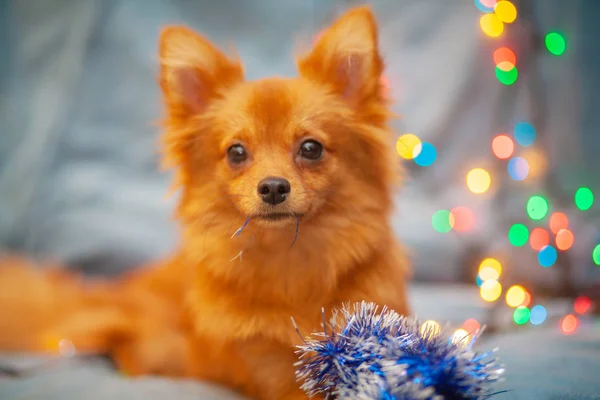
x=367 y=354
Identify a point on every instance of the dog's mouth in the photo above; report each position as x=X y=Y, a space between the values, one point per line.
x=276 y=216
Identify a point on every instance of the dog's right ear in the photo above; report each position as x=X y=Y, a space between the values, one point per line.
x=192 y=72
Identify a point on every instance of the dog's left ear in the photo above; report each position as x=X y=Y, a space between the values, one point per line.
x=346 y=57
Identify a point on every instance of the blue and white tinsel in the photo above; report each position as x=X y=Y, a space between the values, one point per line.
x=371 y=354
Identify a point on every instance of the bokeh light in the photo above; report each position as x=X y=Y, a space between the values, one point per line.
x=538 y=163
x=506 y=11
x=539 y=239
x=521 y=315
x=478 y=180
x=518 y=168
x=569 y=324
x=515 y=296
x=485 y=6
x=558 y=221
x=524 y=134
x=596 y=255
x=491 y=263
x=564 y=239
x=460 y=337
x=506 y=75
x=584 y=198
x=430 y=329
x=464 y=219
x=527 y=300
x=555 y=43
x=537 y=207
x=424 y=154
x=490 y=290
x=488 y=273
x=538 y=315
x=442 y=221
x=547 y=256
x=518 y=235
x=503 y=146
x=505 y=56
x=405 y=145
x=491 y=25
x=582 y=304
x=471 y=325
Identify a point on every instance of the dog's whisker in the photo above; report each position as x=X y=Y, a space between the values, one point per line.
x=297 y=230
x=238 y=255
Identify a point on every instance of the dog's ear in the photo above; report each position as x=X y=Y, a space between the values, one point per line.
x=346 y=57
x=192 y=71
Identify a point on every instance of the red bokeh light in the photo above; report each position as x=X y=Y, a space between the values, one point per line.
x=539 y=238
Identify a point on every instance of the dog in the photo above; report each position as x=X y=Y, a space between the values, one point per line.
x=286 y=192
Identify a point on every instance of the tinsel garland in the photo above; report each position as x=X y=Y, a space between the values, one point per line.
x=371 y=354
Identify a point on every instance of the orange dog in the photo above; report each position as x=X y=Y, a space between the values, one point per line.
x=286 y=193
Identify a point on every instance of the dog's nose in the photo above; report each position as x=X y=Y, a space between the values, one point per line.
x=274 y=190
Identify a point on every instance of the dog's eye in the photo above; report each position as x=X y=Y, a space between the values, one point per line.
x=311 y=150
x=237 y=154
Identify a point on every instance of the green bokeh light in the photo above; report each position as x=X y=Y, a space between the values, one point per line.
x=441 y=221
x=537 y=207
x=507 y=77
x=518 y=235
x=555 y=43
x=596 y=254
x=521 y=315
x=584 y=198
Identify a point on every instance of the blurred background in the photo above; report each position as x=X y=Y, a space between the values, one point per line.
x=499 y=132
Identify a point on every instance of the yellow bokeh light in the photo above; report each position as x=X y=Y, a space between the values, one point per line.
x=491 y=25
x=406 y=144
x=515 y=296
x=537 y=160
x=506 y=11
x=460 y=337
x=491 y=263
x=478 y=180
x=488 y=273
x=490 y=290
x=430 y=329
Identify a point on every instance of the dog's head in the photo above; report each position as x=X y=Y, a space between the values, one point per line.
x=276 y=150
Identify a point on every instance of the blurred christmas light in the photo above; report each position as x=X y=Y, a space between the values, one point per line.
x=537 y=207
x=507 y=75
x=518 y=235
x=488 y=274
x=582 y=304
x=506 y=11
x=490 y=290
x=478 y=180
x=442 y=221
x=527 y=300
x=558 y=221
x=503 y=146
x=569 y=324
x=555 y=43
x=538 y=315
x=503 y=56
x=460 y=336
x=515 y=296
x=430 y=328
x=547 y=256
x=491 y=25
x=537 y=161
x=471 y=325
x=464 y=220
x=405 y=145
x=521 y=315
x=564 y=239
x=539 y=239
x=424 y=154
x=524 y=134
x=518 y=168
x=485 y=6
x=584 y=198
x=596 y=255
x=491 y=263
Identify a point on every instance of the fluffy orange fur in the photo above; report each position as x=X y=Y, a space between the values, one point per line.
x=219 y=309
